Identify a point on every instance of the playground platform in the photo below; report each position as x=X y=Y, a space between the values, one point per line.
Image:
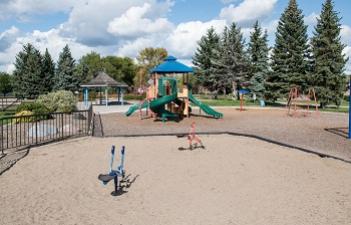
x=325 y=134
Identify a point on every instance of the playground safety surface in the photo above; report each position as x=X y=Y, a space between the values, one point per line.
x=323 y=133
x=235 y=180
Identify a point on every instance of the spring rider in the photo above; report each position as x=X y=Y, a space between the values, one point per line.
x=114 y=174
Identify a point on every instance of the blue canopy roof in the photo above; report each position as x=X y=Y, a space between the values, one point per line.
x=170 y=65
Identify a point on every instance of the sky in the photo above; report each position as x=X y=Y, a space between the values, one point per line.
x=124 y=27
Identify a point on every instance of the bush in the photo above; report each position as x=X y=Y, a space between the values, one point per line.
x=35 y=107
x=59 y=101
x=25 y=119
x=134 y=97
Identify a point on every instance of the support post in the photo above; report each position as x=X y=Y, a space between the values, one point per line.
x=86 y=96
x=122 y=96
x=350 y=107
x=119 y=95
x=106 y=96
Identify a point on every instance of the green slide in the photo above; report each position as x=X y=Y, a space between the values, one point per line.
x=136 y=107
x=158 y=105
x=207 y=109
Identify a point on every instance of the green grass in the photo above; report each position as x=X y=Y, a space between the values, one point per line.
x=228 y=101
x=8 y=112
x=334 y=109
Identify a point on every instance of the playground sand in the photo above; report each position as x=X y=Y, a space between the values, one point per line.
x=236 y=180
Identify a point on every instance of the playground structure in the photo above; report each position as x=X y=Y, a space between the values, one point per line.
x=297 y=99
x=169 y=94
x=114 y=174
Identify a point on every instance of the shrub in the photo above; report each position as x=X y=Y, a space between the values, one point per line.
x=27 y=116
x=134 y=97
x=34 y=107
x=59 y=101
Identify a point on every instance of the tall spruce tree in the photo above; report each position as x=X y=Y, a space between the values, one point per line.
x=28 y=75
x=258 y=52
x=290 y=54
x=6 y=83
x=231 y=65
x=65 y=78
x=329 y=61
x=203 y=57
x=48 y=70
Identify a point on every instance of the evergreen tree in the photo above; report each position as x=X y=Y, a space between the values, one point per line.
x=48 y=73
x=219 y=76
x=329 y=61
x=6 y=84
x=290 y=54
x=258 y=52
x=65 y=78
x=203 y=57
x=28 y=75
x=231 y=65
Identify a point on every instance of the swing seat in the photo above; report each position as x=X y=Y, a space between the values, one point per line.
x=105 y=178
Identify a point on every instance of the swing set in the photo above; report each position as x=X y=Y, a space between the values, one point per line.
x=300 y=100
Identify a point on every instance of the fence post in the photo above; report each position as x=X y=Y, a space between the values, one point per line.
x=2 y=136
x=61 y=125
x=36 y=130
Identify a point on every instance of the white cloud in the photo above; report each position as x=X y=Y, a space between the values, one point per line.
x=131 y=48
x=311 y=20
x=8 y=37
x=42 y=40
x=89 y=20
x=247 y=11
x=134 y=24
x=346 y=39
x=347 y=52
x=346 y=34
x=24 y=9
x=183 y=40
x=271 y=27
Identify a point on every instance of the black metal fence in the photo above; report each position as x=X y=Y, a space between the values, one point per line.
x=32 y=130
x=8 y=101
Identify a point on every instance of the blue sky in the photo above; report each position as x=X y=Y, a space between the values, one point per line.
x=123 y=27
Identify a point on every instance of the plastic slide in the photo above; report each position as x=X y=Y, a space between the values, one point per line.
x=207 y=109
x=158 y=105
x=136 y=107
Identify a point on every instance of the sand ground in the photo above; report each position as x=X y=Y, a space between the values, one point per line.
x=236 y=180
x=324 y=133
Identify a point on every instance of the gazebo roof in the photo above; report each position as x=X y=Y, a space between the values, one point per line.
x=104 y=80
x=171 y=65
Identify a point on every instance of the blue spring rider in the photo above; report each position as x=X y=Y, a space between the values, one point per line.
x=114 y=174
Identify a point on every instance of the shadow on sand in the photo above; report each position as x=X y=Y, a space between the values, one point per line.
x=126 y=183
x=340 y=131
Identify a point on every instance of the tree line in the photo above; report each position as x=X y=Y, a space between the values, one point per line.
x=36 y=74
x=225 y=63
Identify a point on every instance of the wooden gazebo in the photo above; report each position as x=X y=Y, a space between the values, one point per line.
x=102 y=82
